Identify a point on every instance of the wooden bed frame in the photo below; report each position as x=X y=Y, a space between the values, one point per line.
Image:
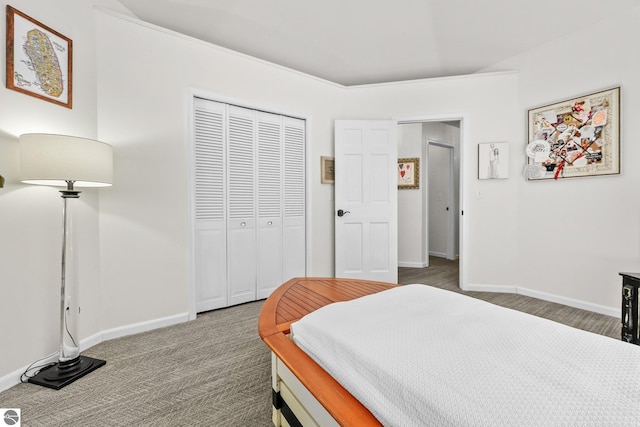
x=304 y=394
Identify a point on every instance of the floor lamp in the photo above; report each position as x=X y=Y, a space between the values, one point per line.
x=72 y=162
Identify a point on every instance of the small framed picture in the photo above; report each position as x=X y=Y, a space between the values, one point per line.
x=327 y=170
x=409 y=173
x=39 y=59
x=493 y=160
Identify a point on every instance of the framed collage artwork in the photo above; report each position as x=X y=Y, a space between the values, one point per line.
x=575 y=138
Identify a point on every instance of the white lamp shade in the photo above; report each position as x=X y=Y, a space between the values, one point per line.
x=47 y=159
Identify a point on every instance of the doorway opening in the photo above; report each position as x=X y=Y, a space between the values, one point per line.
x=429 y=223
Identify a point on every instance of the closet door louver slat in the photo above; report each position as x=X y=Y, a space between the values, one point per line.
x=269 y=169
x=209 y=145
x=293 y=169
x=241 y=175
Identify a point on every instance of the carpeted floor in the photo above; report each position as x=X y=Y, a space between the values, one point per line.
x=214 y=371
x=443 y=273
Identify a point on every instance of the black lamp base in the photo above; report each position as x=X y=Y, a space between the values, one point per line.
x=60 y=375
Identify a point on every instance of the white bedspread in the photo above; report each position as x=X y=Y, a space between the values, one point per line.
x=421 y=356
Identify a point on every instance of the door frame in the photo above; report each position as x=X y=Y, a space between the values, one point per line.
x=463 y=119
x=451 y=235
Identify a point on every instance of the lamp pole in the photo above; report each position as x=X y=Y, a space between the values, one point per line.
x=69 y=301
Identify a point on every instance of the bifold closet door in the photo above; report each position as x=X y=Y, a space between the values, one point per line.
x=269 y=218
x=293 y=227
x=241 y=219
x=210 y=207
x=249 y=203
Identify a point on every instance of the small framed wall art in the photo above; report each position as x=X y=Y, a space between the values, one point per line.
x=39 y=59
x=409 y=173
x=327 y=170
x=575 y=138
x=493 y=160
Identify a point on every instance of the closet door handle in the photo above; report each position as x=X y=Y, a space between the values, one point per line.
x=269 y=222
x=243 y=224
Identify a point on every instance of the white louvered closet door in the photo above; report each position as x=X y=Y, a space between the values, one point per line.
x=241 y=194
x=293 y=228
x=249 y=203
x=269 y=218
x=210 y=215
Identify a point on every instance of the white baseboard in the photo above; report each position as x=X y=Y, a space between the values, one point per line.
x=412 y=264
x=596 y=308
x=438 y=254
x=13 y=378
x=149 y=325
x=491 y=288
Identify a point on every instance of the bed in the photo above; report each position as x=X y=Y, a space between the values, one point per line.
x=359 y=353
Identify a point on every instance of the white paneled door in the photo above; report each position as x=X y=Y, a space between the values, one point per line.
x=366 y=202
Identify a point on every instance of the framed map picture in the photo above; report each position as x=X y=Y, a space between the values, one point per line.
x=39 y=59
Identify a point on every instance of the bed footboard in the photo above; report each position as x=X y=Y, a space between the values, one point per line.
x=304 y=394
x=293 y=404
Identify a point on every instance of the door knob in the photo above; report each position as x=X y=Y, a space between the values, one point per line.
x=342 y=213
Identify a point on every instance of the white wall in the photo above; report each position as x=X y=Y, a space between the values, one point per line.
x=574 y=236
x=485 y=103
x=144 y=110
x=145 y=219
x=31 y=216
x=410 y=207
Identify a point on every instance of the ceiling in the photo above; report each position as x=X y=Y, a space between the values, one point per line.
x=371 y=41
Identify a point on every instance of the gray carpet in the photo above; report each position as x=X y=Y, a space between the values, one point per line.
x=214 y=371
x=443 y=273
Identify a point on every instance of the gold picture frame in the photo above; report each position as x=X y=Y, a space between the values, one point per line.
x=409 y=173
x=39 y=59
x=327 y=170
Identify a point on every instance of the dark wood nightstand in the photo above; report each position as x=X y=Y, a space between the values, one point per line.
x=630 y=287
